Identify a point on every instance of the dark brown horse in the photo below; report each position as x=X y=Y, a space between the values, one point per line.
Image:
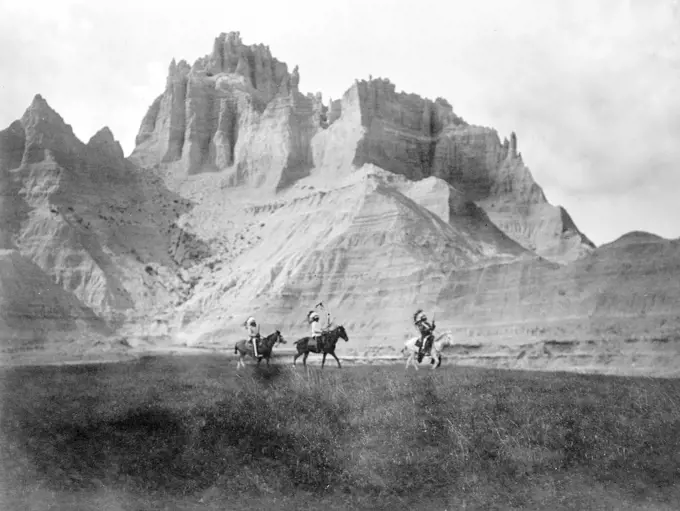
x=264 y=349
x=329 y=339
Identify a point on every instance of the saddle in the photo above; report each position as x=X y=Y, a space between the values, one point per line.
x=316 y=340
x=429 y=341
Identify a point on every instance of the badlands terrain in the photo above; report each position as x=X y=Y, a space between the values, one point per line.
x=245 y=196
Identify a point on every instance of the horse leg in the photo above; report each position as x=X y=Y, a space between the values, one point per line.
x=296 y=357
x=323 y=360
x=413 y=360
x=336 y=359
x=304 y=358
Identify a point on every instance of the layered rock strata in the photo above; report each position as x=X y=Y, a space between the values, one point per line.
x=239 y=110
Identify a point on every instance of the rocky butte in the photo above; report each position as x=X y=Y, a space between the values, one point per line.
x=246 y=196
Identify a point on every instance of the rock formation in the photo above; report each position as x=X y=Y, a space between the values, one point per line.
x=408 y=135
x=245 y=196
x=35 y=311
x=377 y=242
x=86 y=218
x=239 y=111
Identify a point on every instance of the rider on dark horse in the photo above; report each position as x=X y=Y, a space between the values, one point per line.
x=317 y=329
x=253 y=330
x=426 y=330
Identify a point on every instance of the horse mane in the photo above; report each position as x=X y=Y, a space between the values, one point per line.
x=273 y=334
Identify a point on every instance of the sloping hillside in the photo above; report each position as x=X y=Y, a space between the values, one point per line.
x=371 y=249
x=36 y=313
x=87 y=218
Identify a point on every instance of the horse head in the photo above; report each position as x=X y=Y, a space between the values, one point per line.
x=279 y=338
x=342 y=333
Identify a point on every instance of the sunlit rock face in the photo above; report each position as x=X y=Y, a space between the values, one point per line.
x=87 y=218
x=239 y=110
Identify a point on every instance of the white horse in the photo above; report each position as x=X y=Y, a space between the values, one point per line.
x=438 y=345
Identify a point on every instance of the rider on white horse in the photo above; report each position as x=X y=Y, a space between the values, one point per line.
x=253 y=329
x=426 y=330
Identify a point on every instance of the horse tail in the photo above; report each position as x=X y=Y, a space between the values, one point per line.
x=235 y=349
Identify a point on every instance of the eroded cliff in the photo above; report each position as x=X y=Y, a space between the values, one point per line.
x=416 y=137
x=239 y=111
x=88 y=219
x=245 y=196
x=304 y=210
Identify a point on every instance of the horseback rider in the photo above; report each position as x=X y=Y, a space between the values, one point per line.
x=317 y=329
x=253 y=329
x=426 y=329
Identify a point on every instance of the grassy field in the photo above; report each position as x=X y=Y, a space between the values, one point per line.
x=191 y=433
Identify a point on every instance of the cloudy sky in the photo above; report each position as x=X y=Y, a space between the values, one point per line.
x=592 y=88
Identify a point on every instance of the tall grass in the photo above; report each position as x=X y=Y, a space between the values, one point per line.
x=366 y=437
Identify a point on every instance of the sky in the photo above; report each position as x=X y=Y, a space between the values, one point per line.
x=591 y=88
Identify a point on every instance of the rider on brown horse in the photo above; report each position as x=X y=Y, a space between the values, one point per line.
x=253 y=330
x=317 y=328
x=426 y=330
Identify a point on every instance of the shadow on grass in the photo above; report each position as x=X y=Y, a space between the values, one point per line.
x=285 y=432
x=142 y=446
x=268 y=375
x=382 y=438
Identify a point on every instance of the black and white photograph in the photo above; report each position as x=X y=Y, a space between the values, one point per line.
x=344 y=255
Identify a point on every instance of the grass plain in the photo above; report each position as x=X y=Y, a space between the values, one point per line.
x=191 y=432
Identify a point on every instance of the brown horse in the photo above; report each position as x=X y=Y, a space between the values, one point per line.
x=264 y=349
x=329 y=339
